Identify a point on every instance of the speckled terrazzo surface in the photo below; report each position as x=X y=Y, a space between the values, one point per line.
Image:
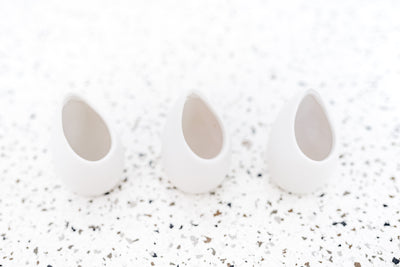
x=133 y=59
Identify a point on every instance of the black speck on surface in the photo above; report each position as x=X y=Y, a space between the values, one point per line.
x=259 y=175
x=154 y=255
x=94 y=227
x=229 y=205
x=342 y=223
x=171 y=226
x=386 y=224
x=395 y=261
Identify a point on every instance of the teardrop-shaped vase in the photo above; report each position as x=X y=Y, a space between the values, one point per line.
x=195 y=147
x=302 y=147
x=86 y=152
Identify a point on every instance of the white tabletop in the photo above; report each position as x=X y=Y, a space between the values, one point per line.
x=134 y=59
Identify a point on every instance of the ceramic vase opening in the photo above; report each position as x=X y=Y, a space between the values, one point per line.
x=85 y=131
x=313 y=130
x=201 y=128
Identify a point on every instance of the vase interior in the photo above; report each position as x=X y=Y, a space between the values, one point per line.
x=313 y=129
x=201 y=128
x=85 y=130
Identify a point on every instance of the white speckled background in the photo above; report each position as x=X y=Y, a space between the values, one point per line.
x=133 y=58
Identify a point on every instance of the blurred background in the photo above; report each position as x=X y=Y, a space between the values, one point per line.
x=133 y=59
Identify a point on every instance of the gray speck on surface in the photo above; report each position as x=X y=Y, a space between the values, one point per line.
x=194 y=240
x=130 y=241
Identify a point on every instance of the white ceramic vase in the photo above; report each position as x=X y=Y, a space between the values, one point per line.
x=196 y=150
x=301 y=152
x=86 y=152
